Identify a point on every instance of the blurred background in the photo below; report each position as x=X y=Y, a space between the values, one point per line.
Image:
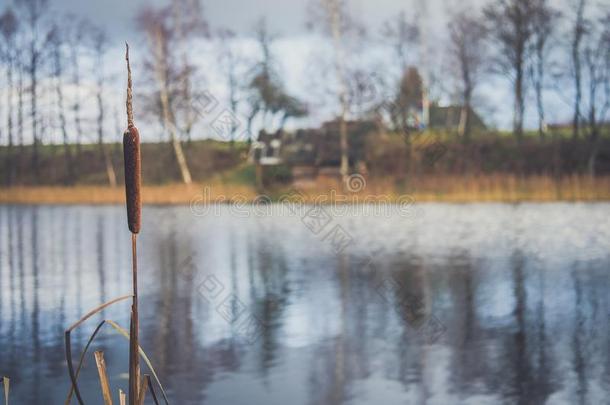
x=485 y=94
x=345 y=201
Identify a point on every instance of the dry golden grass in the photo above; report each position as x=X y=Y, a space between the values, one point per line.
x=489 y=188
x=165 y=194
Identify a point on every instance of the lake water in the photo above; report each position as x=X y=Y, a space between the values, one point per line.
x=444 y=304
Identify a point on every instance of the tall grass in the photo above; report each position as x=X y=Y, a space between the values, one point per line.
x=441 y=188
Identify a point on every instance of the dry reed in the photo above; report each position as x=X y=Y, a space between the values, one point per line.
x=6 y=382
x=496 y=188
x=103 y=375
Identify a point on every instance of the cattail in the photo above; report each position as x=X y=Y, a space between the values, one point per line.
x=133 y=162
x=133 y=168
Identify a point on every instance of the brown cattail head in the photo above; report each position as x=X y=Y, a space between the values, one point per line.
x=133 y=170
x=133 y=162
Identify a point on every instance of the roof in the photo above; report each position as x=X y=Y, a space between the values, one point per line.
x=449 y=117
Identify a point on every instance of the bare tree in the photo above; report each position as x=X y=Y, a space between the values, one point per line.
x=403 y=35
x=267 y=94
x=100 y=43
x=187 y=23
x=544 y=22
x=579 y=30
x=597 y=64
x=78 y=32
x=230 y=62
x=8 y=30
x=335 y=12
x=510 y=23
x=20 y=102
x=33 y=11
x=56 y=43
x=264 y=78
x=157 y=29
x=334 y=20
x=467 y=57
x=408 y=102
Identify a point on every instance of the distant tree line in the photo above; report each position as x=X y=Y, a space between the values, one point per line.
x=51 y=81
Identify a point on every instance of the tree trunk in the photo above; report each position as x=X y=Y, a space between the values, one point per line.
x=233 y=102
x=593 y=160
x=34 y=111
x=181 y=159
x=463 y=124
x=165 y=106
x=344 y=170
x=594 y=144
x=594 y=127
x=76 y=107
x=465 y=119
x=20 y=113
x=519 y=101
x=69 y=175
x=578 y=33
x=577 y=97
x=10 y=169
x=342 y=89
x=100 y=134
x=539 y=84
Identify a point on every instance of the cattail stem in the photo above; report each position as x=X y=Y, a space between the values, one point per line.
x=133 y=170
x=134 y=358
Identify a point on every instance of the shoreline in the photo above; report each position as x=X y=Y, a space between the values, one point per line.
x=506 y=189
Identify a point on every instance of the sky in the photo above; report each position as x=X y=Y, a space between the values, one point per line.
x=284 y=16
x=296 y=48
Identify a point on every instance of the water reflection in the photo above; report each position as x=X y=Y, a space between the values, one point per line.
x=523 y=302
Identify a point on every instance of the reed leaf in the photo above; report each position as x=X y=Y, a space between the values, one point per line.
x=144 y=357
x=101 y=370
x=152 y=389
x=81 y=360
x=125 y=334
x=142 y=391
x=6 y=382
x=73 y=376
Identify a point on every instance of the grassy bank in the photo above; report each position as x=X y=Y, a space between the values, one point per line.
x=384 y=155
x=489 y=188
